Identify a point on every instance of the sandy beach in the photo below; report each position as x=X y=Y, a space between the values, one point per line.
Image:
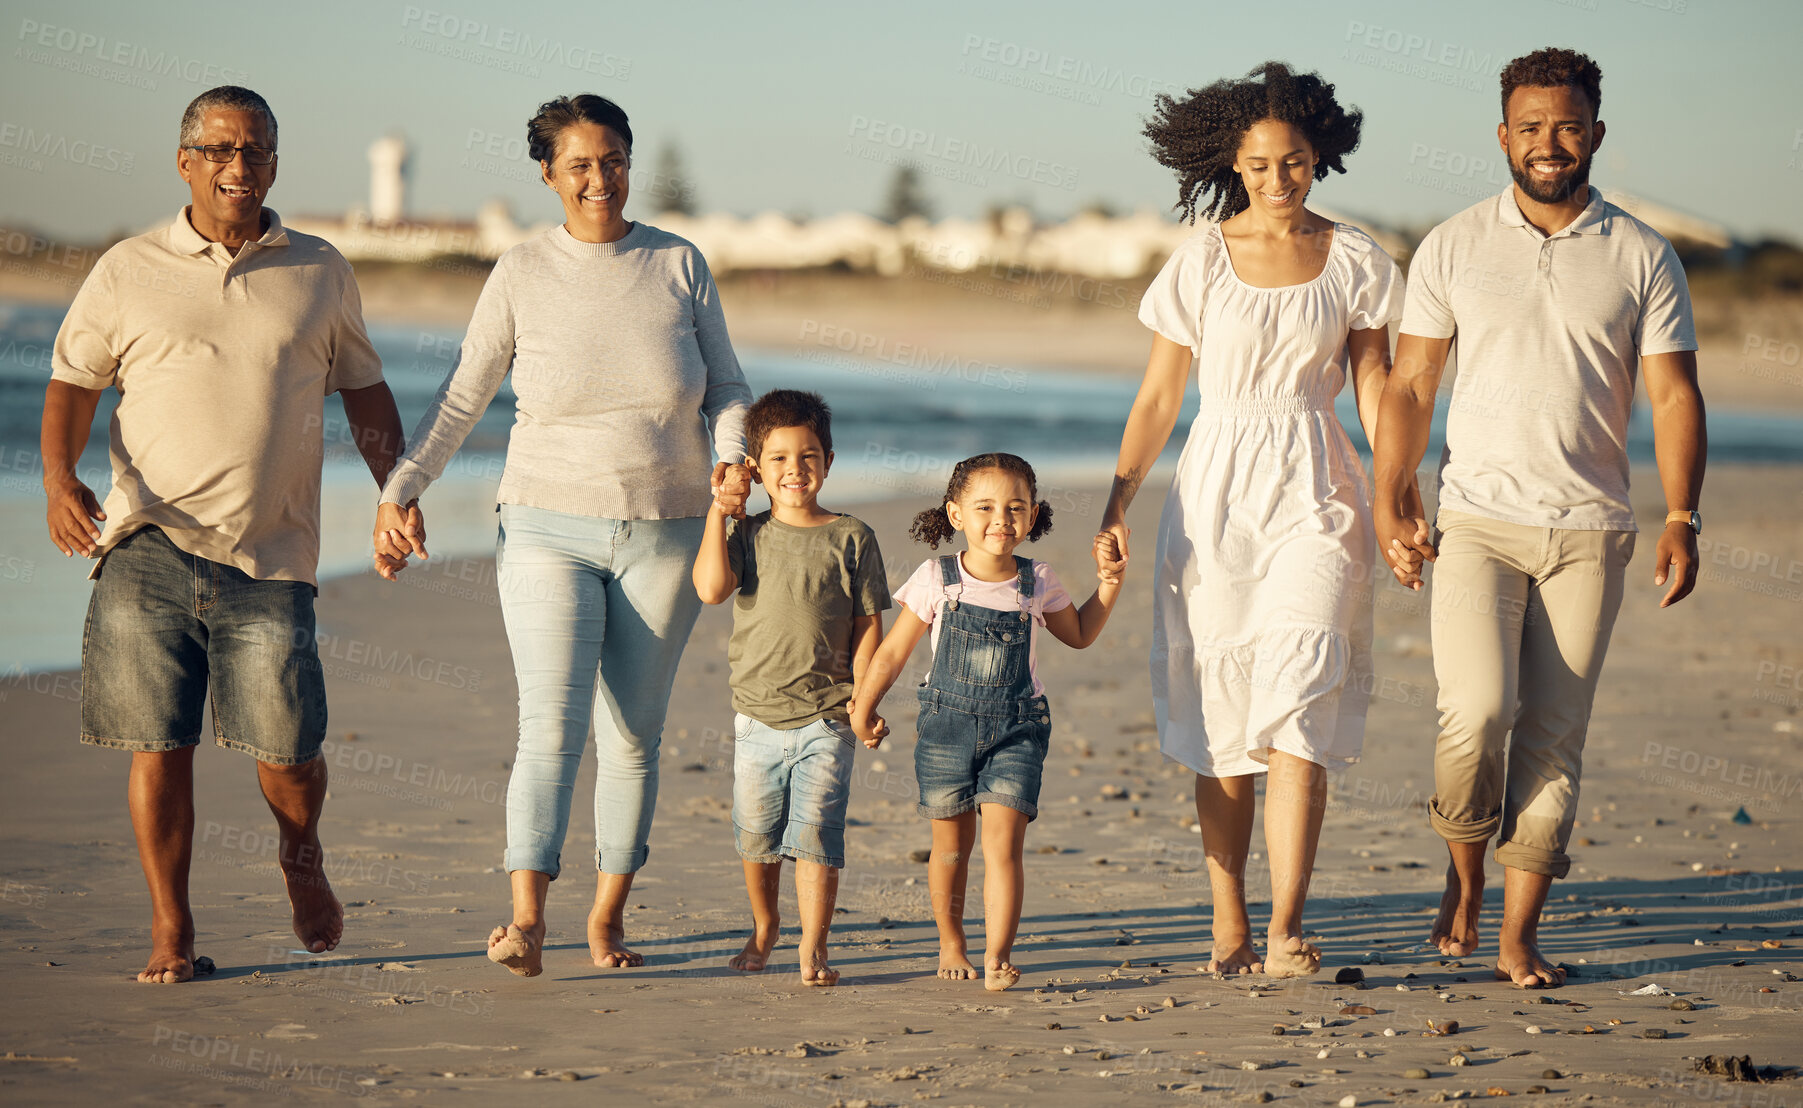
x=1687 y=877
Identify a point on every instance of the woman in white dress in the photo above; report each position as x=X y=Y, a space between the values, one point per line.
x=1261 y=646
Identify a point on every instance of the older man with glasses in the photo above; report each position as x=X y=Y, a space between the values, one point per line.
x=224 y=333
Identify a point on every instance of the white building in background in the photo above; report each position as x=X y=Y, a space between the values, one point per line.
x=1089 y=244
x=388 y=179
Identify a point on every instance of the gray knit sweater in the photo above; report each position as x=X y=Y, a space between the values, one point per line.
x=621 y=365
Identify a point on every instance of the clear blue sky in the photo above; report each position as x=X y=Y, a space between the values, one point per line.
x=793 y=106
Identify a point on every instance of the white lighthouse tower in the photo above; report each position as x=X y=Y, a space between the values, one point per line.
x=388 y=179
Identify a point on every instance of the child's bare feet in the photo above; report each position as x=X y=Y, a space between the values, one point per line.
x=1455 y=928
x=814 y=967
x=954 y=963
x=1000 y=976
x=607 y=942
x=1290 y=956
x=1520 y=962
x=171 y=952
x=521 y=950
x=756 y=954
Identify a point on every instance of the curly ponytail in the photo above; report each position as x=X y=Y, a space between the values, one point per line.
x=933 y=526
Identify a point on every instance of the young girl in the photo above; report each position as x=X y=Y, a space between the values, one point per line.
x=984 y=722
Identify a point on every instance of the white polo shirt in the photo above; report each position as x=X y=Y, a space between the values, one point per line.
x=1549 y=331
x=223 y=364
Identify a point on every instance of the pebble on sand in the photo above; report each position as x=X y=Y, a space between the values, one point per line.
x=1532 y=1029
x=920 y=855
x=1457 y=1060
x=1349 y=1101
x=1654 y=1033
x=1733 y=1067
x=1350 y=975
x=1416 y=1074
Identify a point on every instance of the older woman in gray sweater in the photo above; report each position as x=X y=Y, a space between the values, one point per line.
x=621 y=363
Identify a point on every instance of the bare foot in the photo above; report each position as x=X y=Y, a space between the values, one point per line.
x=520 y=950
x=1290 y=956
x=1000 y=977
x=171 y=953
x=318 y=917
x=607 y=943
x=954 y=964
x=756 y=954
x=1455 y=929
x=814 y=967
x=1233 y=957
x=1521 y=963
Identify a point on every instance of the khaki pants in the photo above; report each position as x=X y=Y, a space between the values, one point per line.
x=1521 y=620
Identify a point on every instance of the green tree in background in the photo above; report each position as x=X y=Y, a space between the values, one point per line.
x=906 y=197
x=671 y=186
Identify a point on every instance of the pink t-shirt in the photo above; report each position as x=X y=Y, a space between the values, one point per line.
x=923 y=594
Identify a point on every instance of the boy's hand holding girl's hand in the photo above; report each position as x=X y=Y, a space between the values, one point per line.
x=1111 y=560
x=871 y=729
x=731 y=487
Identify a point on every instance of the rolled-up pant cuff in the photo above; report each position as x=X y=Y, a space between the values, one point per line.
x=1462 y=831
x=518 y=859
x=622 y=862
x=1534 y=859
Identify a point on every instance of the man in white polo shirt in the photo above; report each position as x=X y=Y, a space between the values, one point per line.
x=1554 y=297
x=223 y=333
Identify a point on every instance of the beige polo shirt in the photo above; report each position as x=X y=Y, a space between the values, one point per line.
x=1549 y=331
x=223 y=365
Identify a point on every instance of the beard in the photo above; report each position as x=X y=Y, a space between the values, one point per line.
x=1575 y=180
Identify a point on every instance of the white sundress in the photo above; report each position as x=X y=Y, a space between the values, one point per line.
x=1261 y=632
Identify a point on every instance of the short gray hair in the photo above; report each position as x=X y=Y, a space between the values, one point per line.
x=225 y=98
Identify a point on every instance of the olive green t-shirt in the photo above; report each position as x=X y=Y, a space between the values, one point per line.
x=799 y=589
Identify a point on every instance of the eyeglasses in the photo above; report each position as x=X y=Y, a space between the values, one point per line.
x=253 y=155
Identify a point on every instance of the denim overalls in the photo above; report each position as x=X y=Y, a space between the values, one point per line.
x=983 y=734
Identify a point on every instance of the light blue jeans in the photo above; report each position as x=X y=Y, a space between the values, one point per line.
x=789 y=790
x=596 y=609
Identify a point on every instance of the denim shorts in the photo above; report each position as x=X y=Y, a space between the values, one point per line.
x=973 y=752
x=789 y=790
x=163 y=624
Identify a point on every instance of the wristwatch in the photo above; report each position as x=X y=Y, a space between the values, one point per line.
x=1691 y=518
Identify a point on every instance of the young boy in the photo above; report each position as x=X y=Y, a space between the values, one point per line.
x=808 y=618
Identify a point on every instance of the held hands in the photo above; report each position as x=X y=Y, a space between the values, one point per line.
x=1402 y=534
x=1110 y=550
x=870 y=728
x=399 y=533
x=1111 y=557
x=1677 y=551
x=70 y=518
x=732 y=487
